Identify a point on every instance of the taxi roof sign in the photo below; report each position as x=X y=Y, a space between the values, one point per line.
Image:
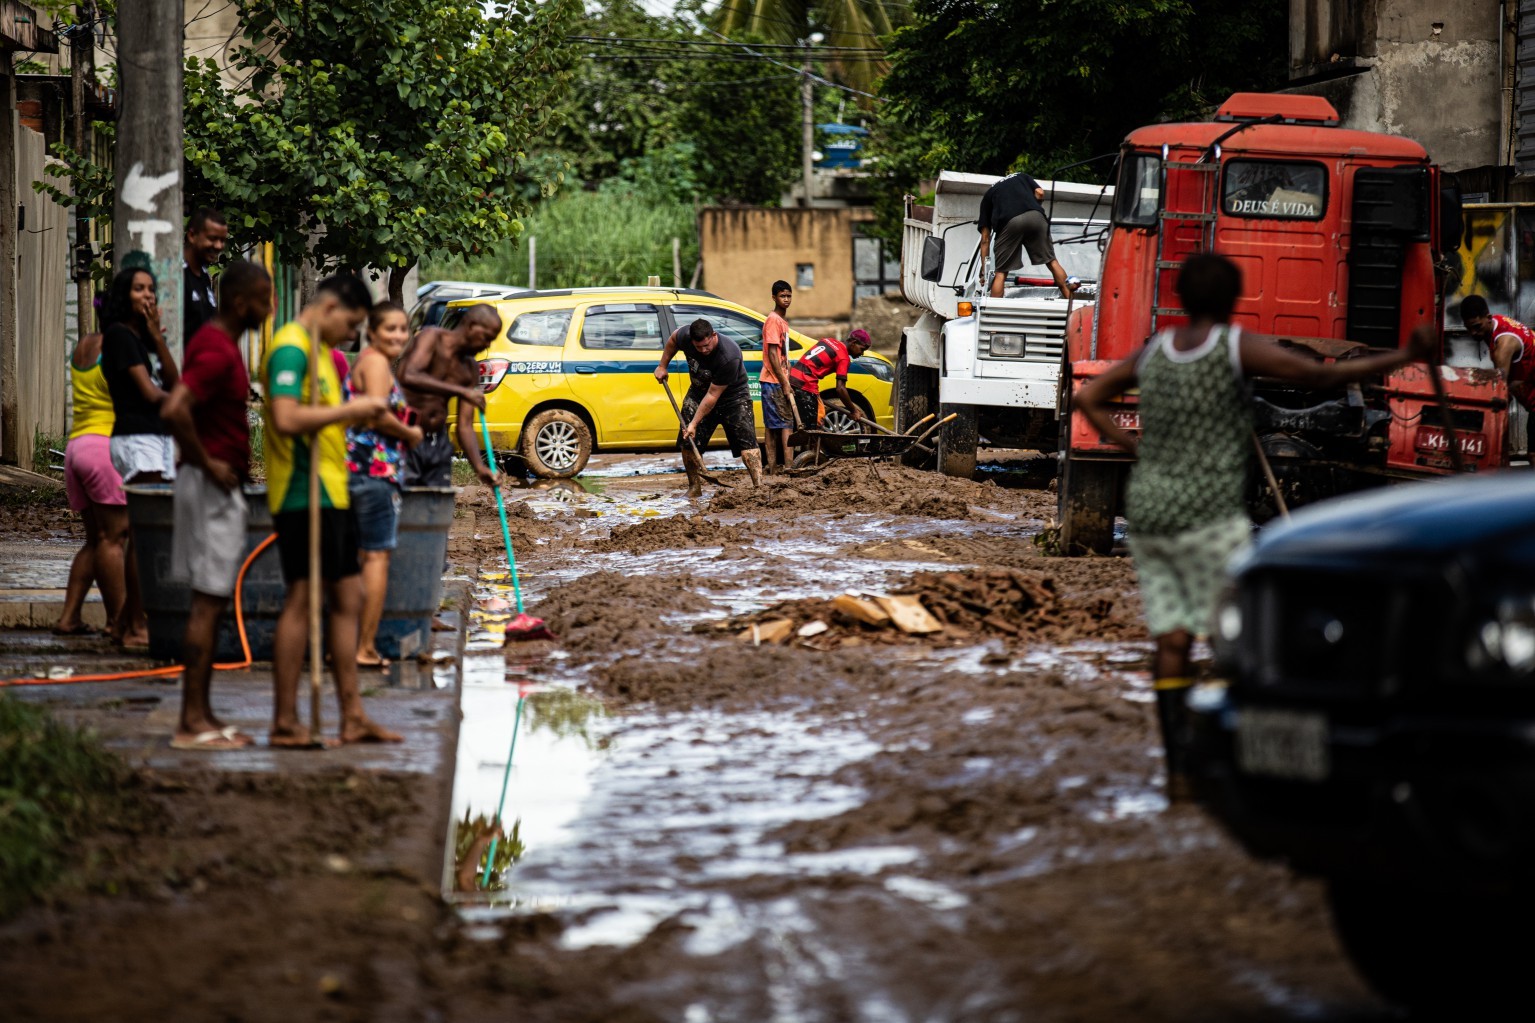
x=1281 y=108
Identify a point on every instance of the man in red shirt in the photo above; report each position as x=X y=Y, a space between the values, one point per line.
x=1510 y=343
x=825 y=357
x=206 y=412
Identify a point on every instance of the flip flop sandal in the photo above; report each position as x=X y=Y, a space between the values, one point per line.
x=211 y=741
x=381 y=665
x=233 y=734
x=79 y=630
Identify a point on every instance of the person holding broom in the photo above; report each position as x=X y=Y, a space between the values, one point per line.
x=718 y=395
x=296 y=432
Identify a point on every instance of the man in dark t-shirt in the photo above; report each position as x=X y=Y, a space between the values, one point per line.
x=719 y=394
x=1010 y=212
x=206 y=411
x=207 y=235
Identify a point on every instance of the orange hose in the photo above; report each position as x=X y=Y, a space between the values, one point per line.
x=175 y=669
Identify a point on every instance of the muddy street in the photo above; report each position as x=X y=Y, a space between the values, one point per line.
x=727 y=797
x=854 y=823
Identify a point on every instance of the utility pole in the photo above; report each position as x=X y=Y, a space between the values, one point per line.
x=807 y=153
x=146 y=220
x=82 y=47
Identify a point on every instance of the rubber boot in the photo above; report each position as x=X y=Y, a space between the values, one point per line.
x=753 y=460
x=1173 y=715
x=694 y=467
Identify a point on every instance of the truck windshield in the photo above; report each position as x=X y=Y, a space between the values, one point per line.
x=1270 y=188
x=1139 y=191
x=1076 y=246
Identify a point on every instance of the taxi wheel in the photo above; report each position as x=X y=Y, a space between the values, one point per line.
x=839 y=420
x=556 y=444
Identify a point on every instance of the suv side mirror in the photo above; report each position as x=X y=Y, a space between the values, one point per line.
x=932 y=259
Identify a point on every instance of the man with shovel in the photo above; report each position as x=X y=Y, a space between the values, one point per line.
x=718 y=395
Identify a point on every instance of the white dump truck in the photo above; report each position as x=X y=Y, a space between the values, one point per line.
x=993 y=362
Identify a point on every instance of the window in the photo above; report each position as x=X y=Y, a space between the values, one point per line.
x=630 y=328
x=1274 y=190
x=547 y=327
x=741 y=329
x=1138 y=195
x=804 y=276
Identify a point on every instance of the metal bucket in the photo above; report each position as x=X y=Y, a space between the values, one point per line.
x=415 y=575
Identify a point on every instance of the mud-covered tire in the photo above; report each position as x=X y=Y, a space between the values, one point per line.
x=556 y=444
x=1087 y=501
x=916 y=396
x=1441 y=954
x=839 y=420
x=958 y=440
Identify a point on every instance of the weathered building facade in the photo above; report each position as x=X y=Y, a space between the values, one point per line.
x=1449 y=73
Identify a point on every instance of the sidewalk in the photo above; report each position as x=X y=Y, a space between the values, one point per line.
x=33 y=574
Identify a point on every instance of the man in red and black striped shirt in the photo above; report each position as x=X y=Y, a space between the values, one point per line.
x=825 y=357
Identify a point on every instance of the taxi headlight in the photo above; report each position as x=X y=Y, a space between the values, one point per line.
x=879 y=367
x=1227 y=630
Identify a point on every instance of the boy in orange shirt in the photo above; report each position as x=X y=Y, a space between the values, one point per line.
x=777 y=410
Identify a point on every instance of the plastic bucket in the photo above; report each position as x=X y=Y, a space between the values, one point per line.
x=415 y=575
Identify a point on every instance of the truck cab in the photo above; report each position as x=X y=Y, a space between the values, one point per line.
x=994 y=363
x=1342 y=237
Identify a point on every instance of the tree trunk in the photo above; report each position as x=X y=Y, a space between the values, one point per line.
x=397 y=275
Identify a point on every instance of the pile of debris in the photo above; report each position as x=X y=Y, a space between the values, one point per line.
x=940 y=608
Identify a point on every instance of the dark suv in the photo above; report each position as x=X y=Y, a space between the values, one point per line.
x=1378 y=728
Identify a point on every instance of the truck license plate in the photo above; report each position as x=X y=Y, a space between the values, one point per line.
x=1126 y=419
x=1432 y=439
x=1283 y=744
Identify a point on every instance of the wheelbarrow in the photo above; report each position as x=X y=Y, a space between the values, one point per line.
x=824 y=445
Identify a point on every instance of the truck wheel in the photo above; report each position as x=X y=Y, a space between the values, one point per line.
x=1436 y=953
x=916 y=396
x=556 y=444
x=958 y=440
x=1089 y=497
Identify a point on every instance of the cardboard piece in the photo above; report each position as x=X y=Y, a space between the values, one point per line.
x=775 y=631
x=861 y=610
x=909 y=615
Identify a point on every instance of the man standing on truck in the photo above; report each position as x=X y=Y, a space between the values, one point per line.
x=1510 y=344
x=1185 y=500
x=777 y=409
x=718 y=395
x=1011 y=211
x=826 y=356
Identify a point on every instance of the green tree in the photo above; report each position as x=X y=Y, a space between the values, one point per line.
x=744 y=119
x=846 y=24
x=371 y=133
x=990 y=86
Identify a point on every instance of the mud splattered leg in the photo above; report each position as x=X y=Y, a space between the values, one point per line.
x=753 y=460
x=695 y=470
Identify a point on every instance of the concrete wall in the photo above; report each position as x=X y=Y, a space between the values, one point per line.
x=1426 y=69
x=745 y=249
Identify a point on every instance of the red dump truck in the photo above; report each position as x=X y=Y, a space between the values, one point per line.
x=1341 y=237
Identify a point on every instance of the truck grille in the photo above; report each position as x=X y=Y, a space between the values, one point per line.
x=1343 y=636
x=1021 y=335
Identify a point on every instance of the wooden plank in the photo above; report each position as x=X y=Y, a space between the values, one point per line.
x=909 y=615
x=861 y=610
x=775 y=631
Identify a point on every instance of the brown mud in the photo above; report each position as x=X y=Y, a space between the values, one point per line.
x=1012 y=775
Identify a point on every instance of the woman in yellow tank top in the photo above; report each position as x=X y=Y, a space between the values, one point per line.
x=95 y=490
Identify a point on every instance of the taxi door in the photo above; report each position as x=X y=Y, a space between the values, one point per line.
x=744 y=330
x=610 y=359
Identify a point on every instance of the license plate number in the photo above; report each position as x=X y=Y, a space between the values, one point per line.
x=1432 y=439
x=1126 y=419
x=1283 y=744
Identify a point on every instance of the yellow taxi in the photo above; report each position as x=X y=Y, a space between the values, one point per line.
x=571 y=372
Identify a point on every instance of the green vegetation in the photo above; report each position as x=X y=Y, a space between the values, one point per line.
x=991 y=86
x=56 y=783
x=588 y=239
x=367 y=132
x=43 y=446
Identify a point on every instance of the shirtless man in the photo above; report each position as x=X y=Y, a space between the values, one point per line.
x=439 y=365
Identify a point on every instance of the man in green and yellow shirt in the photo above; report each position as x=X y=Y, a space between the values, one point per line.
x=296 y=432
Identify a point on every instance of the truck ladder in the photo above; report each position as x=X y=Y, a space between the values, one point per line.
x=1207 y=167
